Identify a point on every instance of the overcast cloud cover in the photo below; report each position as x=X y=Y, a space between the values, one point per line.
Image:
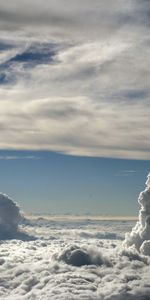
x=74 y=76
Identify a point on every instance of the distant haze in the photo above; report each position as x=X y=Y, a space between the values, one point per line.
x=45 y=182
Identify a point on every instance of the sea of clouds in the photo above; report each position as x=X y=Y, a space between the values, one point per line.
x=45 y=257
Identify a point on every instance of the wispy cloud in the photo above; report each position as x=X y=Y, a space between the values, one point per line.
x=14 y=157
x=75 y=78
x=127 y=173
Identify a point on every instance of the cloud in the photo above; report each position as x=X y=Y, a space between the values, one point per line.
x=101 y=235
x=78 y=257
x=53 y=268
x=60 y=263
x=127 y=173
x=74 y=78
x=140 y=234
x=14 y=157
x=9 y=217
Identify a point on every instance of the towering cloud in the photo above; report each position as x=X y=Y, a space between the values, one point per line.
x=9 y=217
x=140 y=234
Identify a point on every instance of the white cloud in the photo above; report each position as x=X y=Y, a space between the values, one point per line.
x=38 y=269
x=81 y=82
x=140 y=234
x=14 y=157
x=62 y=262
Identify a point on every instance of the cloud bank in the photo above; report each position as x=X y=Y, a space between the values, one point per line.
x=50 y=267
x=63 y=263
x=74 y=77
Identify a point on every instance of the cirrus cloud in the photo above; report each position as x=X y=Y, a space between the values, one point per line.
x=74 y=77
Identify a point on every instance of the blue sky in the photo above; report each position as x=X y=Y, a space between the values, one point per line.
x=49 y=182
x=74 y=80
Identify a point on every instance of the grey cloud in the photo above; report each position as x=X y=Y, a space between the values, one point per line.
x=10 y=218
x=33 y=55
x=79 y=69
x=5 y=46
x=128 y=296
x=133 y=94
x=67 y=13
x=80 y=257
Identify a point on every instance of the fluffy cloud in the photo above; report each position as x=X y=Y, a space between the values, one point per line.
x=50 y=267
x=9 y=217
x=78 y=257
x=62 y=262
x=140 y=235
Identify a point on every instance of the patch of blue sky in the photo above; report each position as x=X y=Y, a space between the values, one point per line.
x=36 y=55
x=2 y=78
x=5 y=46
x=133 y=94
x=5 y=79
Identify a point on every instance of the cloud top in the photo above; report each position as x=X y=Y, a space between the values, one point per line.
x=140 y=234
x=78 y=257
x=10 y=217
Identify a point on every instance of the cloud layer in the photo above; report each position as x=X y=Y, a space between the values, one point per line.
x=74 y=77
x=62 y=264
x=74 y=258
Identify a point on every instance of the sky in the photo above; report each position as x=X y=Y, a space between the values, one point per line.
x=74 y=80
x=54 y=183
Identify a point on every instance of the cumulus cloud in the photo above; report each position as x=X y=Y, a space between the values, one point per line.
x=61 y=264
x=78 y=257
x=140 y=234
x=10 y=218
x=74 y=77
x=46 y=268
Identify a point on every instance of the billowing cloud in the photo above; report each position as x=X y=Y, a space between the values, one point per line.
x=74 y=77
x=10 y=218
x=62 y=262
x=78 y=257
x=140 y=234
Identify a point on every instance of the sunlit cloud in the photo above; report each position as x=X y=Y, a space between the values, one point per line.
x=84 y=258
x=75 y=78
x=14 y=157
